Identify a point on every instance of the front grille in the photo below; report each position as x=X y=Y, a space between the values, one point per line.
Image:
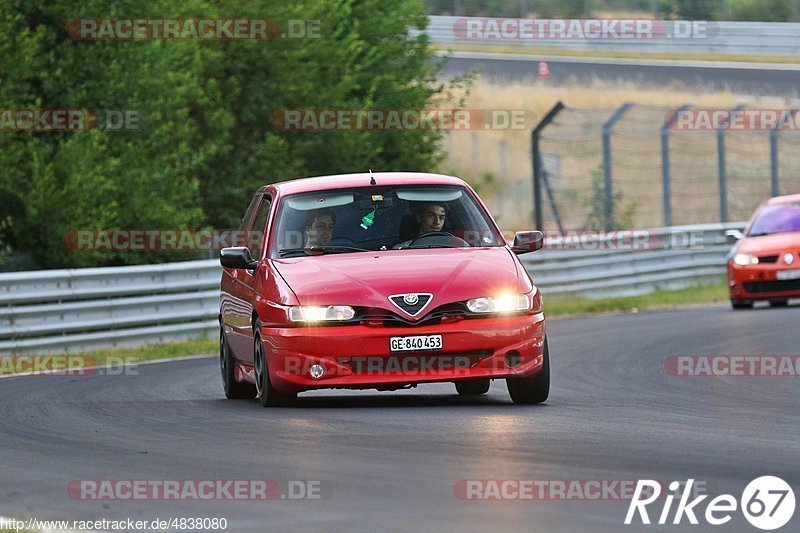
x=391 y=319
x=767 y=258
x=772 y=286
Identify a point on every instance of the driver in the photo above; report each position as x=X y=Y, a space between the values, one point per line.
x=430 y=217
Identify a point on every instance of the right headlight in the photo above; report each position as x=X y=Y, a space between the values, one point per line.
x=745 y=259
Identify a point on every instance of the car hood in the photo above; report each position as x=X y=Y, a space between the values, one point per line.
x=770 y=244
x=368 y=279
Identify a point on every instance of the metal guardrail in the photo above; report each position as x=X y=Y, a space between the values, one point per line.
x=677 y=257
x=84 y=309
x=756 y=38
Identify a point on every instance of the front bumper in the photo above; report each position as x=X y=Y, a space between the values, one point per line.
x=760 y=282
x=358 y=356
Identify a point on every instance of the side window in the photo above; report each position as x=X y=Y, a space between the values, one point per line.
x=239 y=240
x=255 y=237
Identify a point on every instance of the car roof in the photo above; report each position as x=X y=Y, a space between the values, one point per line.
x=784 y=199
x=362 y=179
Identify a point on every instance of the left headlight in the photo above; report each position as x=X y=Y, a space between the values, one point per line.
x=507 y=303
x=745 y=259
x=325 y=313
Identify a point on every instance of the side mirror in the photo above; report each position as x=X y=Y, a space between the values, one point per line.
x=732 y=236
x=527 y=241
x=237 y=257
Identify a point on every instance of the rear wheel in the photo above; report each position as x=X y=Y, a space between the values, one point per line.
x=267 y=395
x=736 y=304
x=233 y=389
x=535 y=389
x=779 y=303
x=472 y=388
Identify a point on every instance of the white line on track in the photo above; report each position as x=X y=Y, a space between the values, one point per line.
x=738 y=65
x=88 y=368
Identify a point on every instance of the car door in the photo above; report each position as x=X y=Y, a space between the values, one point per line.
x=239 y=326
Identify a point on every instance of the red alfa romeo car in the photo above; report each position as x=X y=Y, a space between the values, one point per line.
x=378 y=281
x=765 y=263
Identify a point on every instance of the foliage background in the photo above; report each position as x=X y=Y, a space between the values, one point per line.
x=205 y=141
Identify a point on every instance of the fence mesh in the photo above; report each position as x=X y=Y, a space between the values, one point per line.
x=574 y=162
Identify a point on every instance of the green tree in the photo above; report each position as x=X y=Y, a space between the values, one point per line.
x=58 y=182
x=205 y=141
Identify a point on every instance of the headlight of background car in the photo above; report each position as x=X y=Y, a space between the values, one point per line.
x=745 y=259
x=506 y=303
x=325 y=313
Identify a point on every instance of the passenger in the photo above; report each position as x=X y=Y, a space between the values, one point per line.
x=319 y=227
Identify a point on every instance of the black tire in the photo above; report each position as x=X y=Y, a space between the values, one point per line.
x=741 y=305
x=233 y=389
x=779 y=303
x=472 y=388
x=535 y=389
x=267 y=395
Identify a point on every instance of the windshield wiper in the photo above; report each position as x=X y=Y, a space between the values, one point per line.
x=321 y=250
x=429 y=246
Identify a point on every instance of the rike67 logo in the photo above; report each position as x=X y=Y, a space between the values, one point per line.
x=767 y=503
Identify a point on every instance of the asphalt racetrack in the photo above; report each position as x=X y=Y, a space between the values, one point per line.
x=740 y=78
x=390 y=461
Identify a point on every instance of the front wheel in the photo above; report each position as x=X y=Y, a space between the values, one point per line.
x=736 y=304
x=233 y=389
x=535 y=389
x=779 y=303
x=267 y=395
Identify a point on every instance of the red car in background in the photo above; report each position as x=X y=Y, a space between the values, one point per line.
x=378 y=281
x=765 y=263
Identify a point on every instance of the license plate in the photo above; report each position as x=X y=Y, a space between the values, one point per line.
x=422 y=342
x=788 y=274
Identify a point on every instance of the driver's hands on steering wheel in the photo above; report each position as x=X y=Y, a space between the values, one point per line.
x=409 y=243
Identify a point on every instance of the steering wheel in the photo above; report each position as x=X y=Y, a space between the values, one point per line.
x=458 y=241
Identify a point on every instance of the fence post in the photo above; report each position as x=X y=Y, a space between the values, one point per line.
x=666 y=184
x=536 y=157
x=609 y=184
x=503 y=159
x=775 y=188
x=721 y=166
x=475 y=163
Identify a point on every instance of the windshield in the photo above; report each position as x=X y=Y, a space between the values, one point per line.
x=777 y=218
x=381 y=218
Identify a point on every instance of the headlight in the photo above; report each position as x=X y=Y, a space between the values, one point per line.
x=308 y=313
x=506 y=303
x=745 y=259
